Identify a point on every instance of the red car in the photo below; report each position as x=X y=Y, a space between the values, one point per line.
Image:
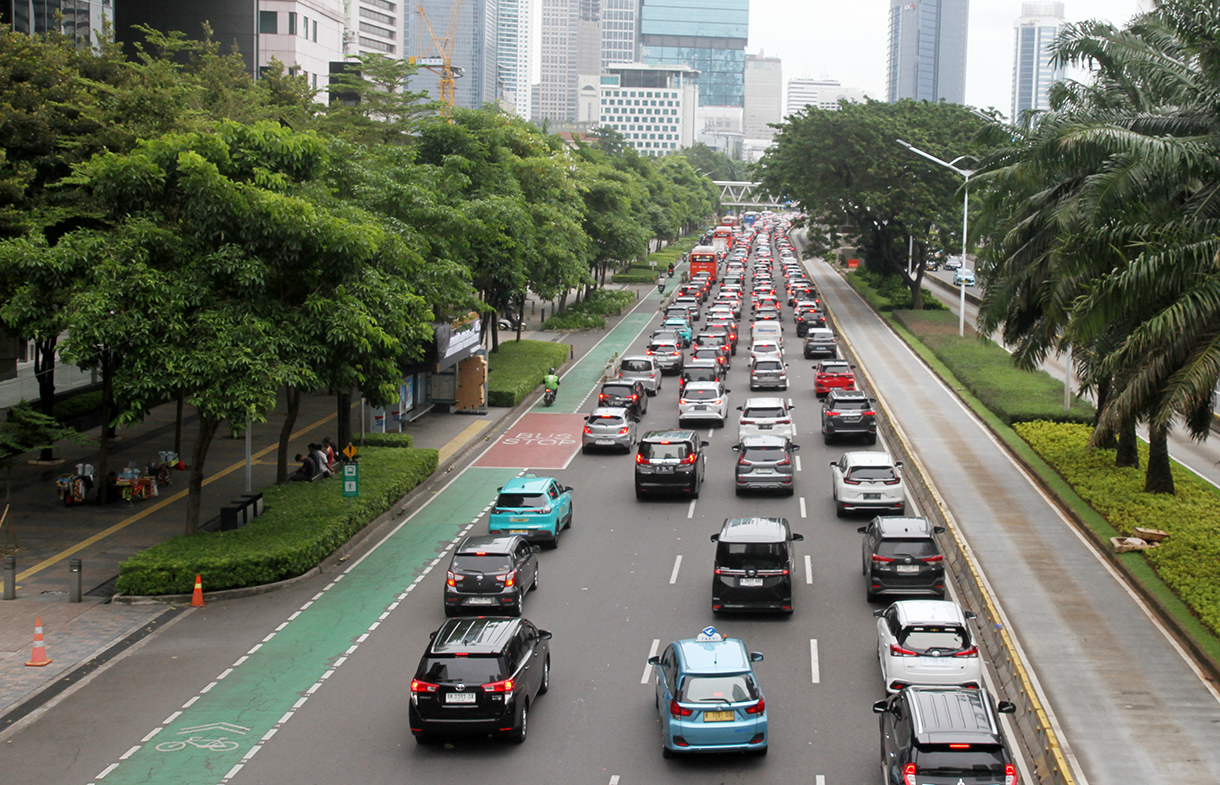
x=833 y=374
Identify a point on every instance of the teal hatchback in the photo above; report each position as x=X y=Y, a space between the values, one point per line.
x=708 y=697
x=533 y=507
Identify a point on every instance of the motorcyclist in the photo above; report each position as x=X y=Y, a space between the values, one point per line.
x=551 y=381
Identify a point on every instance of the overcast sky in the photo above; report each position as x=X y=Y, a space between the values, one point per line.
x=846 y=40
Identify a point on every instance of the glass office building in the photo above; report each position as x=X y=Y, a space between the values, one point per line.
x=927 y=50
x=707 y=35
x=82 y=19
x=1032 y=71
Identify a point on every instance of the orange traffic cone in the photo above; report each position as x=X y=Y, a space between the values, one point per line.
x=197 y=597
x=39 y=656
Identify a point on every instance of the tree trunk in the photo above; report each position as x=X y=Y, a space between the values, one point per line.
x=103 y=459
x=1103 y=397
x=1128 y=453
x=495 y=332
x=194 y=496
x=343 y=425
x=1158 y=478
x=44 y=373
x=178 y=423
x=292 y=400
x=520 y=317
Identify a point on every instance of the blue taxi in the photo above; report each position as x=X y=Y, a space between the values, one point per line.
x=708 y=697
x=534 y=507
x=681 y=327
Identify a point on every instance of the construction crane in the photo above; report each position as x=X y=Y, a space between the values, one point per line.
x=441 y=63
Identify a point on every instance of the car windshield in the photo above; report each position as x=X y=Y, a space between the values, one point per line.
x=768 y=365
x=924 y=638
x=465 y=669
x=874 y=473
x=636 y=365
x=763 y=412
x=491 y=562
x=671 y=451
x=732 y=688
x=834 y=368
x=850 y=404
x=700 y=395
x=759 y=555
x=763 y=454
x=521 y=500
x=896 y=549
x=981 y=760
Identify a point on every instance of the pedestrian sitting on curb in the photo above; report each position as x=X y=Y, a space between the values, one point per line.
x=332 y=453
x=306 y=471
x=319 y=457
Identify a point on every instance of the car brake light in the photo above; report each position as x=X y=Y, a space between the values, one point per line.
x=499 y=686
x=898 y=651
x=623 y=430
x=959 y=746
x=757 y=708
x=832 y=414
x=973 y=651
x=881 y=559
x=423 y=686
x=894 y=481
x=1010 y=774
x=931 y=559
x=639 y=458
x=869 y=413
x=588 y=429
x=694 y=456
x=908 y=774
x=452 y=579
x=741 y=461
x=508 y=578
x=850 y=481
x=785 y=462
x=746 y=422
x=677 y=711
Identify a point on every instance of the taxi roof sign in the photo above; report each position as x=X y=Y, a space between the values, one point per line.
x=709 y=634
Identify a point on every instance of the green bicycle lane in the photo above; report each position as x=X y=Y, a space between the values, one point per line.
x=207 y=740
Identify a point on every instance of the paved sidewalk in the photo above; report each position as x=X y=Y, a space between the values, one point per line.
x=49 y=534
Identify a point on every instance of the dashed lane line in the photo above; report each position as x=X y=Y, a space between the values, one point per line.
x=652 y=652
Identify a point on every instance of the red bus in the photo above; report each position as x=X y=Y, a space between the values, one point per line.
x=703 y=260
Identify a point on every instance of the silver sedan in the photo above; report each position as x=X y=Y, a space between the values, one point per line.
x=609 y=426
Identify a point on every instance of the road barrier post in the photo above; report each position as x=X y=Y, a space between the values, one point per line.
x=74 y=580
x=10 y=577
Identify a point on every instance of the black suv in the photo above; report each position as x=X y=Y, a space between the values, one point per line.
x=944 y=736
x=669 y=460
x=901 y=556
x=848 y=413
x=809 y=318
x=700 y=371
x=754 y=565
x=630 y=395
x=479 y=675
x=490 y=573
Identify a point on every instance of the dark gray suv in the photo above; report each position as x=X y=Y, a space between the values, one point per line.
x=901 y=556
x=848 y=413
x=944 y=736
x=669 y=461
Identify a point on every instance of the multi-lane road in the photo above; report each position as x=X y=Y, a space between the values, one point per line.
x=310 y=684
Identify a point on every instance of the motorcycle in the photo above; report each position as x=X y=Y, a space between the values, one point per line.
x=548 y=396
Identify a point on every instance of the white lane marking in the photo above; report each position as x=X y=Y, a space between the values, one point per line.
x=673 y=576
x=798 y=463
x=808 y=569
x=803 y=512
x=652 y=652
x=233 y=771
x=614 y=780
x=813 y=661
x=819 y=780
x=709 y=432
x=106 y=771
x=150 y=735
x=130 y=752
x=690 y=513
x=790 y=403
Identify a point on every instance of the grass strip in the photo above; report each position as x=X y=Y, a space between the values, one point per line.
x=517 y=368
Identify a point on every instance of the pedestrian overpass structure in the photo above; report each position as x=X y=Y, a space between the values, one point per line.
x=745 y=195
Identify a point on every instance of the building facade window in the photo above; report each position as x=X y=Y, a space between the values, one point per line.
x=268 y=22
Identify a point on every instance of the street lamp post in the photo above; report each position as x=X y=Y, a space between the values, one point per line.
x=965 y=173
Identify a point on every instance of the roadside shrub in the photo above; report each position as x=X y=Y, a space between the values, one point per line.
x=587 y=315
x=647 y=275
x=574 y=319
x=1189 y=561
x=888 y=293
x=987 y=372
x=303 y=524
x=608 y=301
x=77 y=405
x=388 y=440
x=518 y=367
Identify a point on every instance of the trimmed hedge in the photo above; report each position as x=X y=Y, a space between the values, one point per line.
x=648 y=276
x=389 y=440
x=303 y=524
x=574 y=319
x=888 y=293
x=1189 y=561
x=75 y=406
x=987 y=372
x=588 y=315
x=518 y=367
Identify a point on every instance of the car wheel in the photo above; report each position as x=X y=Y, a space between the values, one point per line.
x=762 y=751
x=791 y=491
x=584 y=449
x=567 y=524
x=424 y=738
x=666 y=752
x=826 y=438
x=450 y=612
x=546 y=676
x=639 y=492
x=840 y=510
x=869 y=596
x=694 y=493
x=872 y=439
x=517 y=734
x=514 y=610
x=738 y=491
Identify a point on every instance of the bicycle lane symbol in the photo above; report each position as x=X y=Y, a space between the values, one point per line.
x=194 y=739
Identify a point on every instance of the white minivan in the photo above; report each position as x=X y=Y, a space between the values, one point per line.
x=767 y=331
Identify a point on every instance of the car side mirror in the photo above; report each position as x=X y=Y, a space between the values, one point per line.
x=715 y=538
x=499 y=489
x=795 y=447
x=897 y=464
x=432 y=635
x=536 y=548
x=544 y=635
x=798 y=537
x=863 y=530
x=853 y=367
x=834 y=464
x=738 y=408
x=938 y=529
x=881 y=707
x=567 y=489
x=1006 y=707
x=971 y=615
x=756 y=656
x=736 y=447
x=654 y=660
x=879 y=612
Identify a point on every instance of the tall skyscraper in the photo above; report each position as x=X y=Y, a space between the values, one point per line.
x=927 y=50
x=620 y=20
x=1032 y=72
x=557 y=78
x=764 y=96
x=513 y=45
x=819 y=93
x=375 y=26
x=475 y=48
x=707 y=35
x=82 y=19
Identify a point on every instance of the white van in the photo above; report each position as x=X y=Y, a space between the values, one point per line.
x=767 y=331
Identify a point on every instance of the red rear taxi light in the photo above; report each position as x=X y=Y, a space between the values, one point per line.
x=677 y=711
x=757 y=708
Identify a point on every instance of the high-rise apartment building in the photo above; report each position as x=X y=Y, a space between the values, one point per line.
x=1032 y=72
x=558 y=72
x=927 y=50
x=476 y=47
x=82 y=19
x=374 y=26
x=513 y=53
x=764 y=96
x=707 y=35
x=819 y=93
x=652 y=106
x=620 y=30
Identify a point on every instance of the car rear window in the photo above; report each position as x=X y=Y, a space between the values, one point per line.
x=605 y=419
x=872 y=473
x=469 y=669
x=656 y=451
x=763 y=454
x=850 y=404
x=619 y=390
x=701 y=375
x=768 y=365
x=663 y=347
x=636 y=365
x=763 y=412
x=706 y=352
x=521 y=500
x=759 y=555
x=700 y=395
x=917 y=549
x=733 y=688
x=981 y=760
x=928 y=637
x=491 y=562
x=835 y=368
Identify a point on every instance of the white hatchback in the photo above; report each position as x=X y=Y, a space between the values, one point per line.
x=927 y=642
x=766 y=348
x=867 y=480
x=768 y=416
x=703 y=401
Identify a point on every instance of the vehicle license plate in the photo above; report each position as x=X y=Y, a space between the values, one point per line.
x=518 y=531
x=764 y=427
x=460 y=697
x=852 y=419
x=719 y=716
x=481 y=601
x=605 y=442
x=665 y=469
x=764 y=471
x=868 y=497
x=908 y=568
x=701 y=407
x=518 y=520
x=751 y=581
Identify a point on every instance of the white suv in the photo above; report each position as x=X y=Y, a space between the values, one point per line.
x=927 y=642
x=767 y=416
x=867 y=480
x=703 y=401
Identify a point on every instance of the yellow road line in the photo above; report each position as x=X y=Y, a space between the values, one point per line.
x=460 y=441
x=123 y=524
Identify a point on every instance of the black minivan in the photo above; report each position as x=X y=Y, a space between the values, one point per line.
x=754 y=565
